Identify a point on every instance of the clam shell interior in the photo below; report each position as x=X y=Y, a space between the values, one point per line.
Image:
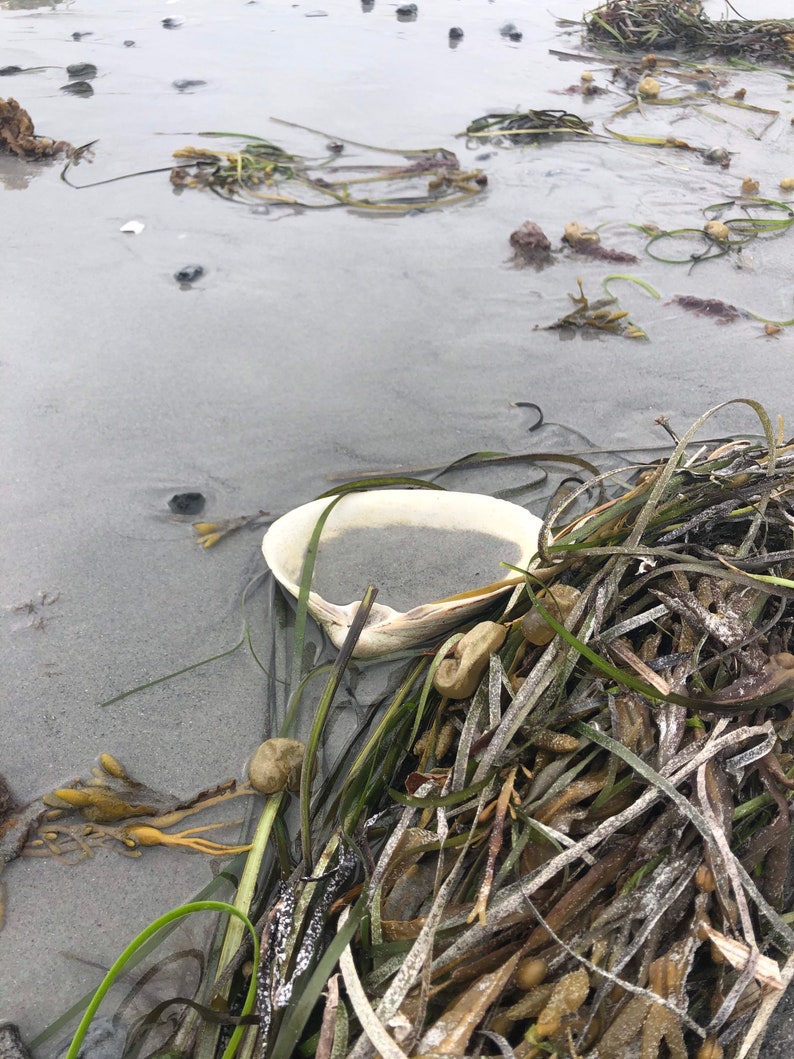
x=421 y=548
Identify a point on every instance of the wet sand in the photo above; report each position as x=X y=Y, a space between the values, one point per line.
x=315 y=342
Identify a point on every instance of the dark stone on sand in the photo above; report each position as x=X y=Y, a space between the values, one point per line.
x=78 y=88
x=456 y=33
x=11 y=1043
x=189 y=274
x=185 y=84
x=187 y=503
x=407 y=12
x=511 y=31
x=7 y=71
x=129 y=43
x=171 y=23
x=81 y=71
x=79 y=36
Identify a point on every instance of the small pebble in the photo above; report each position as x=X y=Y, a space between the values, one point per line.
x=189 y=274
x=511 y=31
x=171 y=23
x=407 y=12
x=717 y=156
x=11 y=1044
x=7 y=71
x=78 y=88
x=184 y=84
x=129 y=43
x=81 y=71
x=79 y=36
x=456 y=33
x=187 y=503
x=335 y=147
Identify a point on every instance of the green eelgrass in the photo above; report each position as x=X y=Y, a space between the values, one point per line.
x=136 y=944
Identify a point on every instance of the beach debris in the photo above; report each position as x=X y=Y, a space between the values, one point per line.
x=559 y=600
x=717 y=230
x=78 y=35
x=459 y=676
x=717 y=156
x=187 y=503
x=407 y=13
x=675 y=25
x=456 y=33
x=189 y=274
x=276 y=766
x=531 y=245
x=172 y=23
x=649 y=87
x=510 y=31
x=185 y=84
x=128 y=43
x=132 y=227
x=596 y=251
x=787 y=184
x=11 y=1044
x=749 y=186
x=18 y=136
x=209 y=533
x=263 y=172
x=718 y=310
x=520 y=128
x=81 y=71
x=488 y=531
x=603 y=314
x=78 y=88
x=118 y=813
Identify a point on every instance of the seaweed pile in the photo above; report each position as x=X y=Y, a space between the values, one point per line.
x=584 y=852
x=683 y=24
x=264 y=172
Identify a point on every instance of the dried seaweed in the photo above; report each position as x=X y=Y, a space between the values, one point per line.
x=519 y=128
x=717 y=310
x=683 y=24
x=18 y=135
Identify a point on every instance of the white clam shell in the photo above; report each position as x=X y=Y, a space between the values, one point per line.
x=508 y=532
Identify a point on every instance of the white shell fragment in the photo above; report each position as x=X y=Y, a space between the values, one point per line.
x=132 y=227
x=434 y=556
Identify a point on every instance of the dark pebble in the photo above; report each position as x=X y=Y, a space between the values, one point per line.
x=516 y=35
x=336 y=148
x=11 y=1043
x=171 y=23
x=7 y=71
x=189 y=274
x=79 y=36
x=407 y=12
x=183 y=84
x=456 y=33
x=367 y=6
x=129 y=43
x=187 y=503
x=508 y=28
x=78 y=88
x=81 y=71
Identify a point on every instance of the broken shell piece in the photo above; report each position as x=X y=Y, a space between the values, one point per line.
x=434 y=555
x=559 y=601
x=458 y=677
x=750 y=186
